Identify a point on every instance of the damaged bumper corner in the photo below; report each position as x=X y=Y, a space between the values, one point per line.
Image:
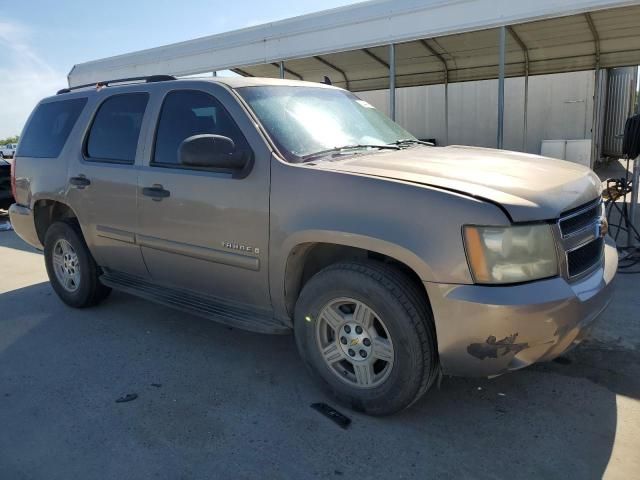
x=490 y=330
x=24 y=225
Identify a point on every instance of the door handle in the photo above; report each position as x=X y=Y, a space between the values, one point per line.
x=80 y=181
x=156 y=192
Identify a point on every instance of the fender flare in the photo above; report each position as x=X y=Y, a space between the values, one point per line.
x=397 y=252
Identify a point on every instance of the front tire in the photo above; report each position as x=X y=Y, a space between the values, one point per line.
x=366 y=331
x=72 y=271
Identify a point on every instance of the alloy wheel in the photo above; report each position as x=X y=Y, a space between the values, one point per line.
x=354 y=343
x=66 y=265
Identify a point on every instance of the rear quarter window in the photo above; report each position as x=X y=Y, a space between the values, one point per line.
x=115 y=131
x=49 y=128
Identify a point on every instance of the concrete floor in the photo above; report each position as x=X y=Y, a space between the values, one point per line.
x=234 y=404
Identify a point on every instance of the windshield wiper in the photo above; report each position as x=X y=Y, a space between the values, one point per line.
x=411 y=141
x=347 y=147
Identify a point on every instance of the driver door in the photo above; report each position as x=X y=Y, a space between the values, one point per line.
x=208 y=231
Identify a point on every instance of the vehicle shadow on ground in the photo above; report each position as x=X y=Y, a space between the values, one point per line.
x=219 y=402
x=10 y=240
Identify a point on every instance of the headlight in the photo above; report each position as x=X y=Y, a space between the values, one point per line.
x=510 y=254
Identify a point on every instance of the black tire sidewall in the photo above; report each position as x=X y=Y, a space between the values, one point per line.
x=403 y=384
x=83 y=296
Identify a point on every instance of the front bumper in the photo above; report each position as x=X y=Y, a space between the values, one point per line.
x=490 y=330
x=24 y=225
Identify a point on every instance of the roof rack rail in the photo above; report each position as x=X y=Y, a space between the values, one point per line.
x=105 y=83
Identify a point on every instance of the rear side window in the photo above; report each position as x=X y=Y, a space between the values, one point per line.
x=190 y=112
x=116 y=128
x=49 y=128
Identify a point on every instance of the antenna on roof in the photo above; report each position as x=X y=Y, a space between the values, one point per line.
x=327 y=81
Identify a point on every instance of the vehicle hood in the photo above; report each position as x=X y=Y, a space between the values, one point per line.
x=528 y=187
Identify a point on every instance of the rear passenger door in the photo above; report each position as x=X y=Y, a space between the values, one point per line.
x=103 y=180
x=210 y=232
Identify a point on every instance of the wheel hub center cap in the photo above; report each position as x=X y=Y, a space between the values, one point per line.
x=355 y=341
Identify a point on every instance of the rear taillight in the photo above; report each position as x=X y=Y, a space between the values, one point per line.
x=13 y=178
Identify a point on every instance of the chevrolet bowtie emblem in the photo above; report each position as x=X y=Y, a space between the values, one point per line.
x=354 y=342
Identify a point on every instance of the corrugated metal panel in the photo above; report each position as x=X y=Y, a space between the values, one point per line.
x=621 y=88
x=560 y=106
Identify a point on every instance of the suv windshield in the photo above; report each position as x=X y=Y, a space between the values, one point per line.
x=304 y=121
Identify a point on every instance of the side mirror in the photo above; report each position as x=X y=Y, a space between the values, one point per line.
x=211 y=151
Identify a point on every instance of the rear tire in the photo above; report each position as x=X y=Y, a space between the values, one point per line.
x=366 y=331
x=72 y=271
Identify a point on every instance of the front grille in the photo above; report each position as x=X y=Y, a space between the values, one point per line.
x=581 y=218
x=583 y=258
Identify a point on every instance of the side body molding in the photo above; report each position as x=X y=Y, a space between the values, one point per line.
x=201 y=253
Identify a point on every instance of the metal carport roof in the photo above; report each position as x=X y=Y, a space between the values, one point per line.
x=349 y=44
x=554 y=45
x=401 y=43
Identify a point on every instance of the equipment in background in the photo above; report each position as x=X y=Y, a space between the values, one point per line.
x=621 y=187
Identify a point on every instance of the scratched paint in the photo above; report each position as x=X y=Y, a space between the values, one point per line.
x=492 y=348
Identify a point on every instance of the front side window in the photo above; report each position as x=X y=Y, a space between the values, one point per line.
x=303 y=121
x=116 y=128
x=49 y=128
x=190 y=112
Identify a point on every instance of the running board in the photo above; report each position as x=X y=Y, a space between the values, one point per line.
x=212 y=308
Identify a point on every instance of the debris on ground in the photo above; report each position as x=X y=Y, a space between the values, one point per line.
x=129 y=397
x=332 y=414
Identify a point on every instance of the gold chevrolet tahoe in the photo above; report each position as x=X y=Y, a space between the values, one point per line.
x=280 y=206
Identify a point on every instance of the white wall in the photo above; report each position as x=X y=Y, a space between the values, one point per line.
x=560 y=106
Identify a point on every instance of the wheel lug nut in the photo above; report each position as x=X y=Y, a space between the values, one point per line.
x=366 y=342
x=352 y=353
x=363 y=354
x=347 y=328
x=343 y=340
x=358 y=329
